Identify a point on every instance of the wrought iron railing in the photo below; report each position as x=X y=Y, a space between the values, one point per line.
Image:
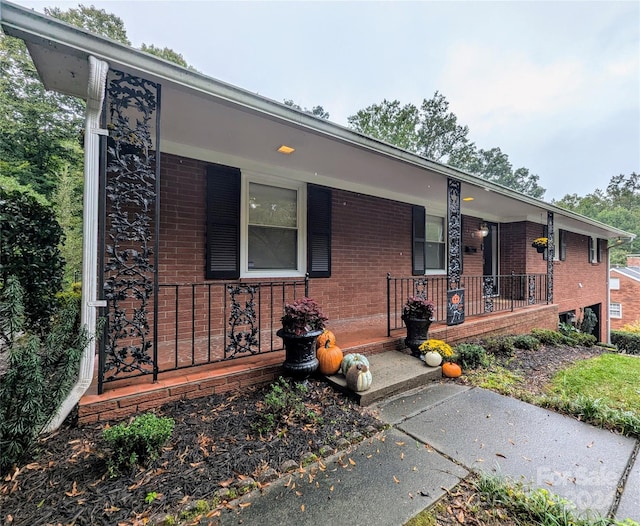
x=483 y=294
x=203 y=323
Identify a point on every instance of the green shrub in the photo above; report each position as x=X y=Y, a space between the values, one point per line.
x=284 y=405
x=549 y=337
x=589 y=321
x=628 y=342
x=137 y=443
x=526 y=342
x=567 y=329
x=29 y=251
x=41 y=371
x=471 y=355
x=500 y=346
x=586 y=340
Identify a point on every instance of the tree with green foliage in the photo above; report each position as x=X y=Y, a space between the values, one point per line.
x=67 y=202
x=40 y=131
x=167 y=54
x=433 y=132
x=29 y=251
x=37 y=127
x=618 y=206
x=316 y=111
x=92 y=19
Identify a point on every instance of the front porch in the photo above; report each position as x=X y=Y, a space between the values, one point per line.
x=364 y=335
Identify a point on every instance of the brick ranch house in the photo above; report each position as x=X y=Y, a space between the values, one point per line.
x=208 y=207
x=624 y=302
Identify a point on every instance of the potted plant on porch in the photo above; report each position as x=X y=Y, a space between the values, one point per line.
x=302 y=322
x=417 y=315
x=540 y=244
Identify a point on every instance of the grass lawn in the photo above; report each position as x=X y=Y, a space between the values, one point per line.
x=613 y=378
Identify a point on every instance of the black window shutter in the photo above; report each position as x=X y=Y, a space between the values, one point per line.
x=223 y=222
x=418 y=235
x=599 y=250
x=563 y=245
x=318 y=231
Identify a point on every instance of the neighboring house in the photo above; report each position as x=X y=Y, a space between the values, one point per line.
x=190 y=254
x=624 y=301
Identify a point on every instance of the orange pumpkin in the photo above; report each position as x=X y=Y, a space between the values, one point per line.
x=451 y=370
x=326 y=336
x=329 y=358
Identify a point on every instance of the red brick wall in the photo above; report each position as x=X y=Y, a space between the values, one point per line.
x=371 y=236
x=629 y=297
x=513 y=247
x=578 y=283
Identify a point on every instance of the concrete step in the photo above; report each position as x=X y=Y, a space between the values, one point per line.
x=393 y=372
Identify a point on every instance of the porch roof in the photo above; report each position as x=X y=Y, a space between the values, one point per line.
x=207 y=119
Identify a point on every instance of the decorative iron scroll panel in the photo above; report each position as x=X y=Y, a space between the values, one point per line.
x=532 y=290
x=454 y=223
x=421 y=287
x=243 y=330
x=551 y=248
x=132 y=209
x=488 y=285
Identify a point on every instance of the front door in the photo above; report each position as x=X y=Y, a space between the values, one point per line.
x=490 y=261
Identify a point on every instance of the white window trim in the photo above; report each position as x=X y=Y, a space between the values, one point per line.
x=436 y=271
x=619 y=314
x=301 y=189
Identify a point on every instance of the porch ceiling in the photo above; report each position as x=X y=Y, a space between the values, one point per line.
x=206 y=119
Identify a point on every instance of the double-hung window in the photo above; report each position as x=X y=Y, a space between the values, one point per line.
x=615 y=310
x=429 y=242
x=436 y=244
x=260 y=226
x=273 y=228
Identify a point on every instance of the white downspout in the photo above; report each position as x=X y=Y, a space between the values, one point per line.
x=607 y=306
x=95 y=95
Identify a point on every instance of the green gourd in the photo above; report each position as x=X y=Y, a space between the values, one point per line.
x=352 y=359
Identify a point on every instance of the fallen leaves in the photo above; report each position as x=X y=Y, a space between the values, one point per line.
x=74 y=490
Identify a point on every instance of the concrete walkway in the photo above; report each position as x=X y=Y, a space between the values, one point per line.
x=439 y=434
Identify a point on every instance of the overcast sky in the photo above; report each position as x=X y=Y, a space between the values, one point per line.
x=555 y=85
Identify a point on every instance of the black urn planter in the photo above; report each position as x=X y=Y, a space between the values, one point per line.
x=300 y=353
x=541 y=249
x=417 y=333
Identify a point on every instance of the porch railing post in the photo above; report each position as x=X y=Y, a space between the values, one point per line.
x=512 y=288
x=388 y=304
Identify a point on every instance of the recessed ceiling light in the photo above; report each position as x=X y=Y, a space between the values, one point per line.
x=468 y=198
x=287 y=150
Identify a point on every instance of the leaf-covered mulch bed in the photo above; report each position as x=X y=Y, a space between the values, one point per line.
x=216 y=446
x=216 y=443
x=538 y=367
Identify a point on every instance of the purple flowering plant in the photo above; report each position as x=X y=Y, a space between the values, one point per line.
x=302 y=316
x=418 y=307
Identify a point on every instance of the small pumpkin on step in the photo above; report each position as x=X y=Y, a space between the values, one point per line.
x=329 y=357
x=359 y=377
x=451 y=370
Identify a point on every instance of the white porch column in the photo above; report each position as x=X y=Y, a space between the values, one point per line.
x=95 y=95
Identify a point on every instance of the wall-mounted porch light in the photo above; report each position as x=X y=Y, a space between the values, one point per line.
x=483 y=229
